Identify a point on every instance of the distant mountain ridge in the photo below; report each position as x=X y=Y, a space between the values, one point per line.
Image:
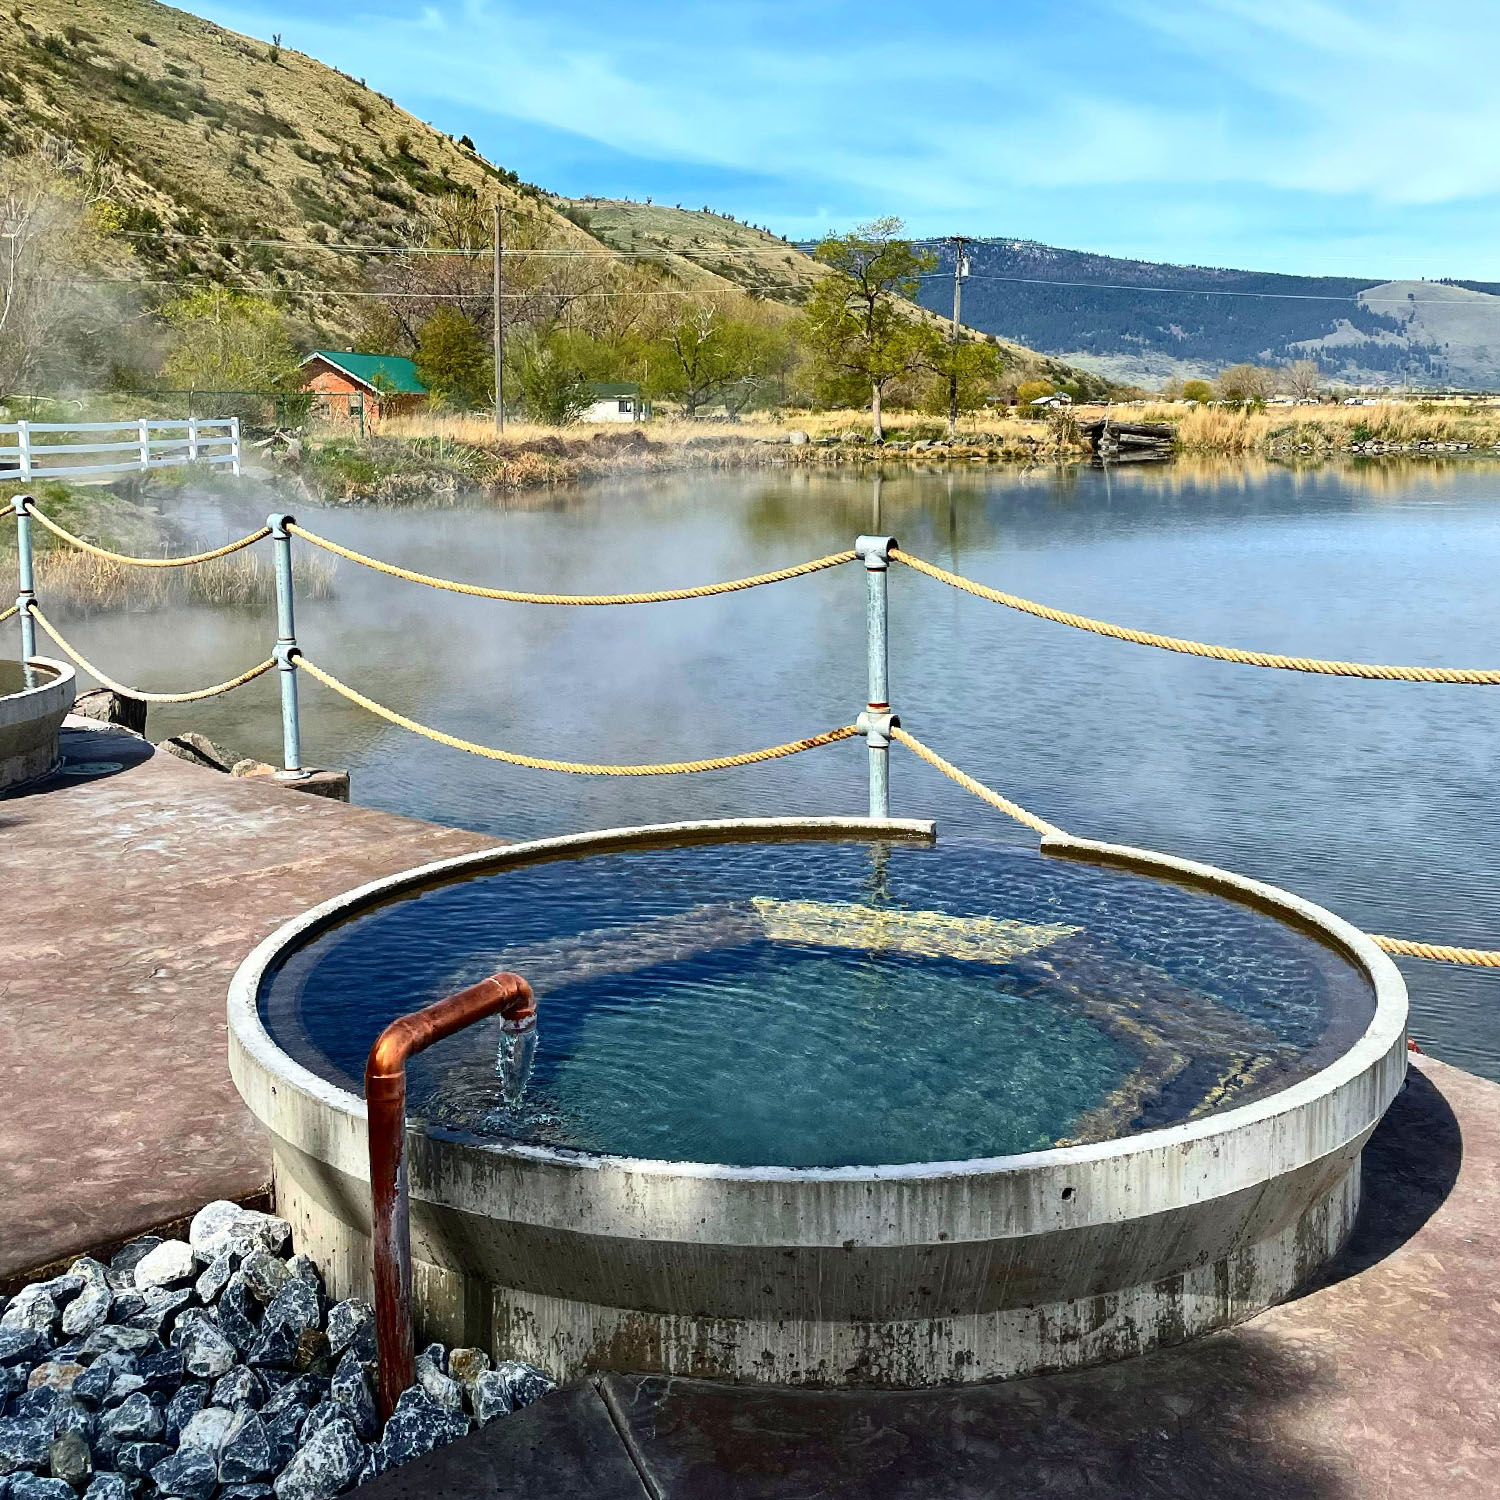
x=1142 y=321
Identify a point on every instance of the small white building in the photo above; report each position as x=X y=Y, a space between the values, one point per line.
x=616 y=401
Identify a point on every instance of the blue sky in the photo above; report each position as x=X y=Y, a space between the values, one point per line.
x=1320 y=136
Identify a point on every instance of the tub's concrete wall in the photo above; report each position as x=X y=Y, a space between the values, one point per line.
x=30 y=721
x=896 y=1275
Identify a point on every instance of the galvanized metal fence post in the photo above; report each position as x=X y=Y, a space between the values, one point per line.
x=286 y=650
x=234 y=445
x=876 y=721
x=23 y=447
x=145 y=435
x=25 y=579
x=192 y=439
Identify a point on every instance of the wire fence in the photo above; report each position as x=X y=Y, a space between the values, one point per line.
x=878 y=725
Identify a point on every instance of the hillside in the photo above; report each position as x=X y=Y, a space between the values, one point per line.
x=238 y=162
x=697 y=244
x=213 y=141
x=1141 y=321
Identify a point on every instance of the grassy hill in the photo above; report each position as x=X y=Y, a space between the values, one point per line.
x=205 y=133
x=235 y=161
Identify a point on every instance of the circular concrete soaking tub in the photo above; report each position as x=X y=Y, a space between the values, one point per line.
x=35 y=696
x=827 y=1101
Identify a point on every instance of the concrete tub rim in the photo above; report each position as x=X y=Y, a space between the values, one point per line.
x=1385 y=1034
x=63 y=685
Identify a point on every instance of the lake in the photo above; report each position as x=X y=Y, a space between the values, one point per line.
x=1374 y=799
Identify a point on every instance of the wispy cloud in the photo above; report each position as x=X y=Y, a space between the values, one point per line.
x=1225 y=130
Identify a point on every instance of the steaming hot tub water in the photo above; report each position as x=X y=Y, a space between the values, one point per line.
x=827 y=1004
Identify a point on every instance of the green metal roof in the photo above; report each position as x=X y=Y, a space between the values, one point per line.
x=390 y=372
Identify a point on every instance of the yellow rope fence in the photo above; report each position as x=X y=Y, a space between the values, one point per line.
x=131 y=692
x=519 y=596
x=146 y=562
x=5 y=614
x=1481 y=958
x=969 y=784
x=1484 y=958
x=573 y=767
x=1483 y=677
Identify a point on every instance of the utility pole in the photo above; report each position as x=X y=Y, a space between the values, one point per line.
x=499 y=322
x=960 y=270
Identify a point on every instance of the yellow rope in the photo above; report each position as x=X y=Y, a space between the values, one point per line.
x=1471 y=676
x=147 y=562
x=573 y=767
x=1483 y=958
x=7 y=613
x=979 y=789
x=130 y=692
x=517 y=596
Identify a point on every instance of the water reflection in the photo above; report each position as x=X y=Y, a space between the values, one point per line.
x=1374 y=798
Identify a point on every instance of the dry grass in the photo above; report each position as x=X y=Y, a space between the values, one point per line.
x=78 y=583
x=1321 y=429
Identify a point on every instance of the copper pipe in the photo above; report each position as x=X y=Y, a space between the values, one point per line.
x=390 y=1209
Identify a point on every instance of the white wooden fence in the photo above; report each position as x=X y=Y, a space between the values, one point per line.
x=48 y=450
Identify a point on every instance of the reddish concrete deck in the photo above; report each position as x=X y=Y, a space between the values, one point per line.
x=130 y=900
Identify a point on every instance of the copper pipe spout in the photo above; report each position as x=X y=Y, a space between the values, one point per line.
x=390 y=1209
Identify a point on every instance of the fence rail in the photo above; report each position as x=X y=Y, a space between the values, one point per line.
x=877 y=724
x=155 y=443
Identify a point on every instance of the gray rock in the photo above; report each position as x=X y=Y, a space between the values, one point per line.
x=328 y=1465
x=246 y=1492
x=491 y=1397
x=525 y=1382
x=206 y=1353
x=128 y=1302
x=312 y=1356
x=275 y=1349
x=247 y=1452
x=192 y=1475
x=796 y=437
x=62 y=1289
x=417 y=1426
x=87 y=1311
x=351 y=1325
x=136 y=1460
x=217 y=1225
x=169 y=1264
x=57 y=1376
x=214 y=1279
x=265 y=1274
x=284 y=1430
x=467 y=1365
x=305 y=1268
x=441 y=1388
x=123 y=1262
x=351 y=1390
x=207 y=1430
x=24 y=1442
x=436 y=1356
x=161 y=1371
x=90 y=1271
x=112 y=1339
x=296 y=1305
x=35 y=1487
x=238 y=1313
x=302 y=1391
x=42 y=1402
x=374 y=1466
x=73 y=1416
x=240 y=1387
x=318 y=1418
x=21 y=1346
x=183 y=1407
x=31 y=1308
x=107 y=1487
x=136 y=1420
x=125 y=1385
x=197 y=749
x=69 y=1459
x=93 y=1385
x=160 y=1307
